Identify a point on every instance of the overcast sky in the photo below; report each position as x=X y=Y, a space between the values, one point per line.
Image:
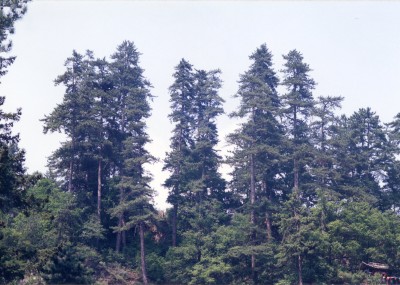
x=353 y=48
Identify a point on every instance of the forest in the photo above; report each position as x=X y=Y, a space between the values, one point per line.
x=312 y=194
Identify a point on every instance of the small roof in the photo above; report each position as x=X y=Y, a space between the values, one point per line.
x=374 y=265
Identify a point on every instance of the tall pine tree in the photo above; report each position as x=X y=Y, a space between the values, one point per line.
x=257 y=142
x=182 y=97
x=298 y=106
x=133 y=95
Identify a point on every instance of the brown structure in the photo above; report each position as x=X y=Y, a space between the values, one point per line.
x=381 y=269
x=373 y=267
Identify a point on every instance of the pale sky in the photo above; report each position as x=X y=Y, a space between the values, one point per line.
x=353 y=48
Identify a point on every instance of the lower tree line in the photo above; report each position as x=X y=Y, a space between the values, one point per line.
x=312 y=194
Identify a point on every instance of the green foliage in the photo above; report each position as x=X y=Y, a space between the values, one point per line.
x=177 y=262
x=92 y=230
x=362 y=232
x=67 y=266
x=12 y=261
x=312 y=194
x=211 y=270
x=155 y=267
x=10 y=12
x=32 y=237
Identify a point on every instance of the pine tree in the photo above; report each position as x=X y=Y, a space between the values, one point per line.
x=207 y=107
x=392 y=186
x=11 y=157
x=365 y=154
x=12 y=171
x=10 y=12
x=257 y=141
x=11 y=163
x=324 y=132
x=298 y=107
x=100 y=126
x=182 y=96
x=133 y=95
x=67 y=117
x=84 y=161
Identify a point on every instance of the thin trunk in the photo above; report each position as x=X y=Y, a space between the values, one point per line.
x=142 y=254
x=252 y=214
x=175 y=208
x=253 y=267
x=71 y=166
x=300 y=270
x=120 y=224
x=295 y=161
x=323 y=218
x=99 y=167
x=267 y=217
x=296 y=177
x=296 y=215
x=252 y=189
x=70 y=177
x=174 y=218
x=252 y=201
x=297 y=193
x=118 y=243
x=99 y=190
x=268 y=225
x=123 y=233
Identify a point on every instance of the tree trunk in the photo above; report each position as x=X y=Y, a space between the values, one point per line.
x=296 y=177
x=297 y=193
x=120 y=234
x=300 y=270
x=267 y=217
x=70 y=177
x=177 y=188
x=296 y=215
x=118 y=243
x=174 y=218
x=123 y=233
x=253 y=267
x=99 y=191
x=268 y=226
x=120 y=224
x=295 y=162
x=142 y=254
x=252 y=214
x=252 y=189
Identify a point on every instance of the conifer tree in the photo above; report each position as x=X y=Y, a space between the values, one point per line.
x=10 y=12
x=298 y=106
x=100 y=125
x=11 y=163
x=258 y=139
x=365 y=156
x=393 y=170
x=203 y=208
x=68 y=117
x=324 y=132
x=182 y=96
x=12 y=171
x=207 y=107
x=133 y=95
x=83 y=162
